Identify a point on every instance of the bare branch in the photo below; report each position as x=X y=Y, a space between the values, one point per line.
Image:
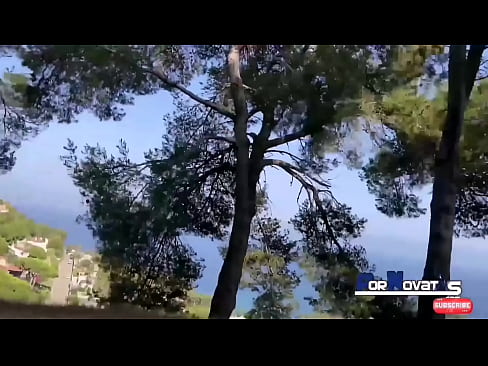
x=300 y=193
x=136 y=196
x=230 y=140
x=293 y=156
x=313 y=193
x=287 y=166
x=216 y=107
x=286 y=139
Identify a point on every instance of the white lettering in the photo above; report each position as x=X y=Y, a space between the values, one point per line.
x=455 y=286
x=419 y=285
x=377 y=285
x=416 y=285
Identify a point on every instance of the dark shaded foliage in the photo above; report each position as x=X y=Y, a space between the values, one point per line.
x=266 y=270
x=334 y=263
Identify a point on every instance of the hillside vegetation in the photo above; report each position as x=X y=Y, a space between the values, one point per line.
x=14 y=289
x=16 y=226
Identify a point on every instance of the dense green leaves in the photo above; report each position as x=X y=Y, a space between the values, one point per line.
x=15 y=226
x=42 y=267
x=332 y=263
x=57 y=243
x=3 y=246
x=64 y=80
x=14 y=289
x=137 y=224
x=36 y=252
x=68 y=79
x=266 y=271
x=405 y=161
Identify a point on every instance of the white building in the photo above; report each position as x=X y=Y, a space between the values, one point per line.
x=18 y=252
x=82 y=281
x=39 y=242
x=86 y=256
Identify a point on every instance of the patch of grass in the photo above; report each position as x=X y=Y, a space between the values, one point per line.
x=199 y=311
x=14 y=289
x=200 y=305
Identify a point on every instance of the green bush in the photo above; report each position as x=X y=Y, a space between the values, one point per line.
x=38 y=266
x=53 y=260
x=73 y=300
x=86 y=265
x=14 y=289
x=56 y=243
x=16 y=226
x=3 y=246
x=59 y=253
x=54 y=272
x=36 y=252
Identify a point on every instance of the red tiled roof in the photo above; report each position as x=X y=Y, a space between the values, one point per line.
x=14 y=268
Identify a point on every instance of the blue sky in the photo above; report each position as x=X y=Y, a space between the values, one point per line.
x=40 y=187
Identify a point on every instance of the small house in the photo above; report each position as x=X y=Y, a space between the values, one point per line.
x=39 y=242
x=19 y=252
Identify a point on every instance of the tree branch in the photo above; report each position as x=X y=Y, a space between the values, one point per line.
x=292 y=156
x=286 y=139
x=230 y=140
x=216 y=107
x=313 y=194
x=287 y=166
x=473 y=62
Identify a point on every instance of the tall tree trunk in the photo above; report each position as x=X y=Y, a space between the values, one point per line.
x=462 y=75
x=444 y=194
x=224 y=298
